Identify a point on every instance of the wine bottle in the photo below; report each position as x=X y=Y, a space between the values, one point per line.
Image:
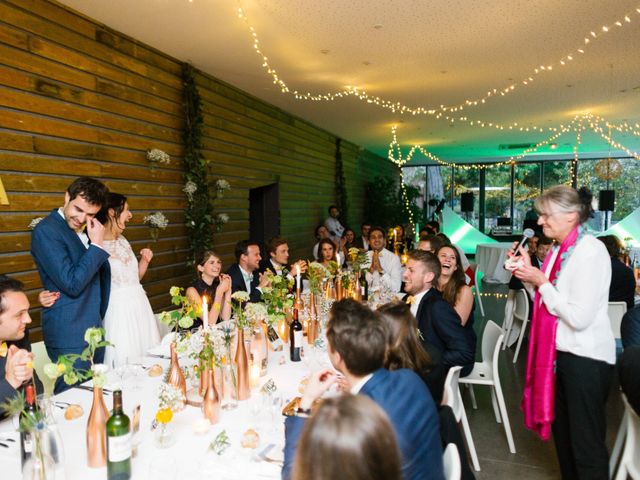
x=295 y=337
x=364 y=287
x=118 y=442
x=28 y=418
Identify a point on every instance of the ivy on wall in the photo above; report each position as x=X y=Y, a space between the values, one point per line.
x=341 y=186
x=199 y=216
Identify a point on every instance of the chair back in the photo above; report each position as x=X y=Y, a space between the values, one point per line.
x=521 y=308
x=40 y=359
x=451 y=395
x=491 y=340
x=451 y=462
x=616 y=311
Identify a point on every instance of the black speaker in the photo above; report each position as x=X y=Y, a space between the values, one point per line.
x=607 y=201
x=466 y=202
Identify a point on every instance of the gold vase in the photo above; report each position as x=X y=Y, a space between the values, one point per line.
x=339 y=289
x=211 y=401
x=358 y=291
x=176 y=377
x=96 y=430
x=312 y=332
x=283 y=327
x=203 y=379
x=242 y=363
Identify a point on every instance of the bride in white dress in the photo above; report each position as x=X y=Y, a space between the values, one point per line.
x=129 y=321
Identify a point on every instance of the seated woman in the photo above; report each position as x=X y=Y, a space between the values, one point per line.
x=215 y=285
x=348 y=437
x=349 y=240
x=326 y=252
x=129 y=321
x=452 y=284
x=623 y=284
x=404 y=349
x=321 y=233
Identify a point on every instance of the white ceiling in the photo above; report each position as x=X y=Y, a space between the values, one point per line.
x=426 y=53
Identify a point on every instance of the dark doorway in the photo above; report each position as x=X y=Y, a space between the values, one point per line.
x=264 y=213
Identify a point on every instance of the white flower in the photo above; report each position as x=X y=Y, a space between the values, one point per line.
x=170 y=396
x=35 y=222
x=156 y=220
x=158 y=156
x=256 y=311
x=222 y=185
x=240 y=296
x=189 y=189
x=222 y=218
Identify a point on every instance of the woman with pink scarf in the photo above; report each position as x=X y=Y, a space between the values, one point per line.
x=571 y=346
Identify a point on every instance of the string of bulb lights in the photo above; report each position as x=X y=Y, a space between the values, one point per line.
x=439 y=111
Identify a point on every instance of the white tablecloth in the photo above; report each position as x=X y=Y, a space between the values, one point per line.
x=490 y=258
x=188 y=457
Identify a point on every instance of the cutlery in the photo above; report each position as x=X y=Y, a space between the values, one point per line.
x=157 y=355
x=4 y=445
x=106 y=391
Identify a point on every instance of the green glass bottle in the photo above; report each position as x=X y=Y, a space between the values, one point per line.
x=118 y=442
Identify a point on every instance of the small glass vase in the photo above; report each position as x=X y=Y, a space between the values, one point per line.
x=39 y=466
x=165 y=436
x=229 y=390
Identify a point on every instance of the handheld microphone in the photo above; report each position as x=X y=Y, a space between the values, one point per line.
x=526 y=235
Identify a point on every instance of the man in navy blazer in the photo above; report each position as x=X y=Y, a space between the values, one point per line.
x=357 y=343
x=244 y=276
x=448 y=342
x=73 y=262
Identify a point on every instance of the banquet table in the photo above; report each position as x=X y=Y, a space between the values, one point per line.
x=490 y=258
x=189 y=456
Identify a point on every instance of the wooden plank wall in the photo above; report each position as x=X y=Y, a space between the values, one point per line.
x=77 y=98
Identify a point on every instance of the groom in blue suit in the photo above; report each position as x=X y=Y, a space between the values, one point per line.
x=71 y=261
x=357 y=344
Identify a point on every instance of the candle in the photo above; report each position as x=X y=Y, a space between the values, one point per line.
x=205 y=311
x=338 y=259
x=395 y=236
x=254 y=373
x=298 y=277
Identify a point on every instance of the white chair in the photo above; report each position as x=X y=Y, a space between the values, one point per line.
x=486 y=373
x=477 y=275
x=40 y=359
x=451 y=463
x=630 y=462
x=507 y=323
x=520 y=313
x=452 y=398
x=616 y=312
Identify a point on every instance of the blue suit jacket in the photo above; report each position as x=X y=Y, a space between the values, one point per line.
x=81 y=275
x=237 y=283
x=410 y=408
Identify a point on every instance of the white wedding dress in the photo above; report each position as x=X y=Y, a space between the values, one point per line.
x=129 y=322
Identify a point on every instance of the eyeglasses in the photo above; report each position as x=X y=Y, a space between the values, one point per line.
x=548 y=215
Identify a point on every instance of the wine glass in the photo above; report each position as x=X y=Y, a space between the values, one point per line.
x=119 y=369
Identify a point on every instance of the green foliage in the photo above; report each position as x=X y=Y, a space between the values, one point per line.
x=384 y=205
x=316 y=272
x=199 y=215
x=184 y=316
x=276 y=297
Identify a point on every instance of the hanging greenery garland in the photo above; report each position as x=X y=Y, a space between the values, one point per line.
x=341 y=186
x=199 y=216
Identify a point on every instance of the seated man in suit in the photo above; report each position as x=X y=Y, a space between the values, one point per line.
x=71 y=261
x=630 y=328
x=362 y=242
x=357 y=342
x=448 y=343
x=16 y=359
x=244 y=275
x=278 y=261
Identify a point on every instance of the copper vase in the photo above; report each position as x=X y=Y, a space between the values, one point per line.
x=242 y=363
x=96 y=431
x=176 y=377
x=358 y=291
x=339 y=289
x=211 y=401
x=203 y=380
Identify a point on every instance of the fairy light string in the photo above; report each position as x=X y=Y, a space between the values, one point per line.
x=399 y=107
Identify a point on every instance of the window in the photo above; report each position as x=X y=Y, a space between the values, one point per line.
x=497 y=203
x=467 y=180
x=526 y=189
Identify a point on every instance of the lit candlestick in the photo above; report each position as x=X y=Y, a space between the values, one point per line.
x=395 y=236
x=338 y=259
x=205 y=311
x=298 y=277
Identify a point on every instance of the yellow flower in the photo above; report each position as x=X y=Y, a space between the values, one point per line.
x=164 y=415
x=61 y=368
x=3 y=349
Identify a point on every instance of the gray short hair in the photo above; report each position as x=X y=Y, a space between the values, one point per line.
x=568 y=200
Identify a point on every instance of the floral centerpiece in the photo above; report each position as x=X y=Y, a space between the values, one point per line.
x=184 y=316
x=156 y=221
x=170 y=400
x=317 y=273
x=277 y=297
x=358 y=259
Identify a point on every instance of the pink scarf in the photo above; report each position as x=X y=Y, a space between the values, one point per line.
x=540 y=381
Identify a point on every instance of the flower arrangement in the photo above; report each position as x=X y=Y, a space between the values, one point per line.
x=170 y=399
x=34 y=223
x=157 y=156
x=358 y=259
x=189 y=189
x=156 y=221
x=184 y=316
x=221 y=186
x=206 y=344
x=317 y=273
x=255 y=313
x=220 y=220
x=238 y=300
x=94 y=336
x=276 y=297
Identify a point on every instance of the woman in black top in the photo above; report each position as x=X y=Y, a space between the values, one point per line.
x=215 y=285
